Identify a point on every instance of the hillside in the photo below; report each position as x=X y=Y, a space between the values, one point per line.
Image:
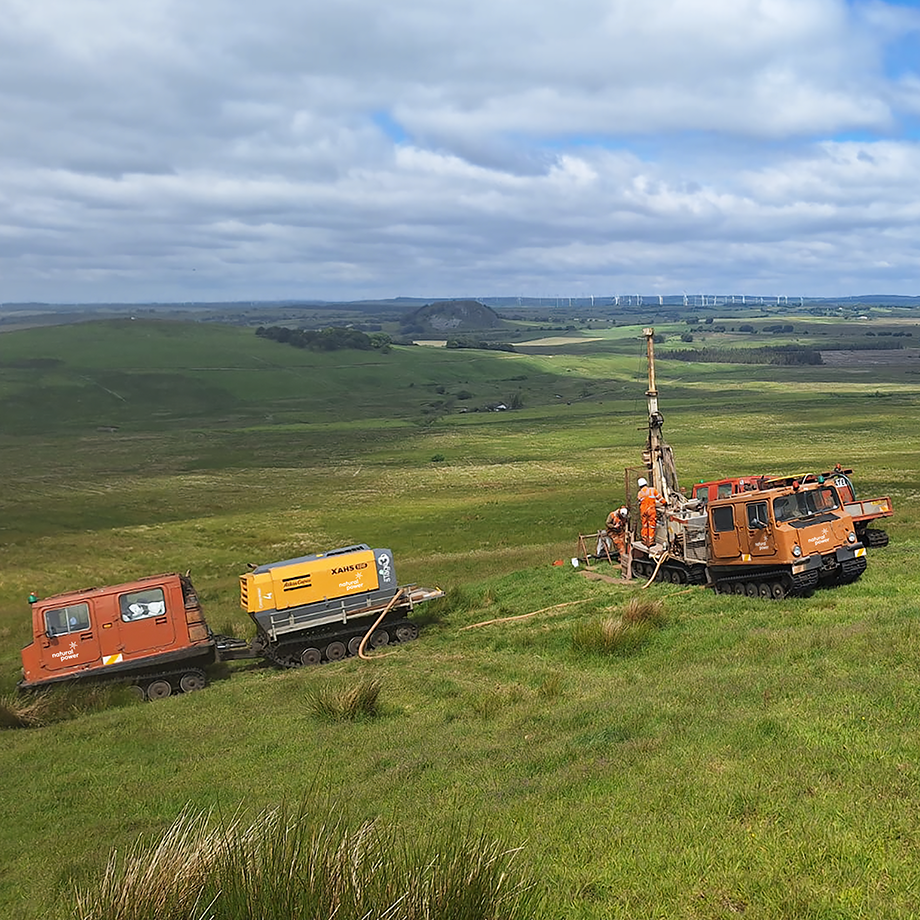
x=453 y=317
x=741 y=758
x=154 y=375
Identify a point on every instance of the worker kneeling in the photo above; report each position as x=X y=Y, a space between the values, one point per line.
x=615 y=529
x=649 y=497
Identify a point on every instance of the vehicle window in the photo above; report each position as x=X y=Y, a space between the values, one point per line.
x=826 y=499
x=141 y=605
x=784 y=508
x=64 y=620
x=725 y=489
x=805 y=504
x=701 y=492
x=757 y=515
x=723 y=519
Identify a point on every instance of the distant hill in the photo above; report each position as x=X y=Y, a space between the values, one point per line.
x=451 y=317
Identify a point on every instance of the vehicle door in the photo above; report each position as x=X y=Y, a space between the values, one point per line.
x=71 y=637
x=760 y=537
x=722 y=531
x=146 y=623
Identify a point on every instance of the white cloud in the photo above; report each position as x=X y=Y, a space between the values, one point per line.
x=167 y=150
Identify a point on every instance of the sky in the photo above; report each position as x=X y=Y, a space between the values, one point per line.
x=168 y=150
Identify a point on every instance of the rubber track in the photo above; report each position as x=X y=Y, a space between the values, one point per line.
x=287 y=654
x=851 y=569
x=875 y=537
x=172 y=677
x=802 y=583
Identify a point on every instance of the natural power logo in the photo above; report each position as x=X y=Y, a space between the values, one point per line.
x=67 y=653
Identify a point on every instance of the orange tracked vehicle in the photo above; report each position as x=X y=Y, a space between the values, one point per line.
x=150 y=632
x=863 y=511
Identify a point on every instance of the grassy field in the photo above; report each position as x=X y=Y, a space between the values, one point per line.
x=741 y=757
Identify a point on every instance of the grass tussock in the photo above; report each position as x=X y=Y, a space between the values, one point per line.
x=622 y=633
x=25 y=711
x=551 y=686
x=350 y=702
x=609 y=636
x=45 y=707
x=644 y=610
x=308 y=865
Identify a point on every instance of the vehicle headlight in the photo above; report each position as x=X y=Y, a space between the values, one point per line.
x=851 y=537
x=796 y=551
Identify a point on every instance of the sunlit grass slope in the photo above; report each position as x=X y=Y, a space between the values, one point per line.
x=153 y=375
x=734 y=757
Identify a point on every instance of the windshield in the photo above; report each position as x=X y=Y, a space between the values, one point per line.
x=805 y=503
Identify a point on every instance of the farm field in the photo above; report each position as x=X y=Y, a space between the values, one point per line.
x=746 y=757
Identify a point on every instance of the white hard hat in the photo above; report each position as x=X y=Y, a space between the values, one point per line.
x=641 y=483
x=623 y=512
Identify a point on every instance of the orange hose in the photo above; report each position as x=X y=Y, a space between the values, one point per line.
x=377 y=622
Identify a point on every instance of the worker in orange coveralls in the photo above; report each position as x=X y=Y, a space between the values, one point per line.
x=616 y=528
x=649 y=496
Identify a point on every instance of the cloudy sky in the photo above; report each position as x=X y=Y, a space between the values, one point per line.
x=163 y=150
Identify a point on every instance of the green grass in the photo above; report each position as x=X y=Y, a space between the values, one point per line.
x=744 y=757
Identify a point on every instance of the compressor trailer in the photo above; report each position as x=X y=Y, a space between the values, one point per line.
x=320 y=607
x=152 y=634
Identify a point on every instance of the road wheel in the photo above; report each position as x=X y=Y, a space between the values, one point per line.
x=379 y=638
x=137 y=691
x=406 y=633
x=750 y=589
x=192 y=681
x=763 y=589
x=159 y=690
x=354 y=643
x=335 y=651
x=737 y=588
x=311 y=656
x=777 y=591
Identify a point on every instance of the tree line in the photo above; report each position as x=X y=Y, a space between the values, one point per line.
x=332 y=338
x=480 y=344
x=778 y=354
